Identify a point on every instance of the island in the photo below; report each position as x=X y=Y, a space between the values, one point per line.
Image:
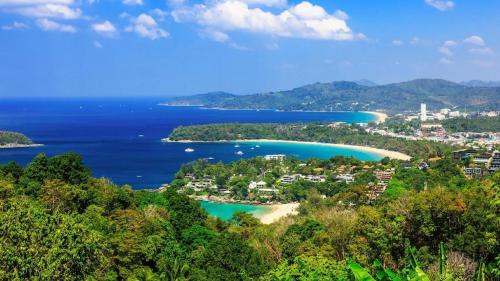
x=15 y=140
x=339 y=134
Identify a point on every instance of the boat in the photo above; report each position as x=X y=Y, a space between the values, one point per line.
x=240 y=152
x=237 y=145
x=189 y=149
x=141 y=136
x=257 y=146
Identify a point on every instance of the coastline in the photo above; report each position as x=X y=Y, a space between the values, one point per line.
x=15 y=145
x=377 y=151
x=380 y=117
x=276 y=210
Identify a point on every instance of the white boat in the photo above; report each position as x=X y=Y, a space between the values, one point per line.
x=257 y=146
x=189 y=149
x=141 y=136
x=240 y=152
x=237 y=145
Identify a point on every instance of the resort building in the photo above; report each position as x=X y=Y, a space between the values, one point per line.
x=348 y=178
x=494 y=163
x=384 y=176
x=279 y=157
x=473 y=172
x=257 y=184
x=288 y=179
x=423 y=112
x=315 y=178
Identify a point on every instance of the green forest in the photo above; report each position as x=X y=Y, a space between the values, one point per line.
x=13 y=138
x=57 y=222
x=316 y=132
x=473 y=124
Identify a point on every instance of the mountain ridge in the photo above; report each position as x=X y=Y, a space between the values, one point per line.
x=352 y=96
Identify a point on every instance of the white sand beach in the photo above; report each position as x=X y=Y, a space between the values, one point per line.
x=381 y=152
x=380 y=116
x=278 y=211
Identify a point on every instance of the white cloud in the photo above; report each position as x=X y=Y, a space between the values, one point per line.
x=304 y=20
x=62 y=9
x=268 y=3
x=106 y=29
x=445 y=61
x=398 y=42
x=48 y=25
x=446 y=51
x=133 y=2
x=442 y=5
x=146 y=27
x=215 y=35
x=15 y=25
x=450 y=43
x=481 y=51
x=97 y=44
x=158 y=14
x=415 y=40
x=475 y=40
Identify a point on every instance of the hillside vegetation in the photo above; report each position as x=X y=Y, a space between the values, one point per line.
x=59 y=223
x=476 y=124
x=316 y=132
x=351 y=96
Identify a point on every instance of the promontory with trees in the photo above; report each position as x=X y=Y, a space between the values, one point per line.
x=57 y=222
x=351 y=134
x=14 y=139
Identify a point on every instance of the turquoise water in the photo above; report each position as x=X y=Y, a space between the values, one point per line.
x=225 y=211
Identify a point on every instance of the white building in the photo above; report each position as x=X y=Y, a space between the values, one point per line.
x=423 y=112
x=279 y=157
x=257 y=184
x=348 y=178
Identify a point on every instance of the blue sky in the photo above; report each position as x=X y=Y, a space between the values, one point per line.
x=179 y=47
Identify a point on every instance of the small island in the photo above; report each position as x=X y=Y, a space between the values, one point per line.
x=15 y=140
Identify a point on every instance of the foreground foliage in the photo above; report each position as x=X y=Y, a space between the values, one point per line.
x=59 y=223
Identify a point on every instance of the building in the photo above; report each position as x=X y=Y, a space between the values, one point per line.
x=423 y=112
x=288 y=179
x=315 y=178
x=494 y=163
x=257 y=184
x=473 y=172
x=384 y=176
x=279 y=157
x=348 y=178
x=200 y=185
x=463 y=154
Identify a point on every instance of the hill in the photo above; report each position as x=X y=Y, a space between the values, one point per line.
x=13 y=138
x=351 y=96
x=480 y=83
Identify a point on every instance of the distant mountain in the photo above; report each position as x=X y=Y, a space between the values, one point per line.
x=351 y=96
x=480 y=83
x=366 y=82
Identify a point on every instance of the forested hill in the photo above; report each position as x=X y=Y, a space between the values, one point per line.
x=352 y=96
x=13 y=138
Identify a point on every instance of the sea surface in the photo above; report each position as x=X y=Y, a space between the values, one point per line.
x=120 y=138
x=225 y=211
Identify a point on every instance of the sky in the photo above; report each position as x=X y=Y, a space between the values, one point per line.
x=181 y=47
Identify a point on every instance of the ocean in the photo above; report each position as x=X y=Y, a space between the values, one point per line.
x=120 y=138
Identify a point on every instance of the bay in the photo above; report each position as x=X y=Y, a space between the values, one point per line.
x=120 y=138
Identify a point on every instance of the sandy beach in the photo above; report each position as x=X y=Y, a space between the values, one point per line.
x=381 y=152
x=380 y=116
x=15 y=145
x=278 y=211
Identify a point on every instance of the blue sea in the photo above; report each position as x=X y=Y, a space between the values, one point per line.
x=120 y=138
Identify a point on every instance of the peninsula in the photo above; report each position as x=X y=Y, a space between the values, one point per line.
x=15 y=140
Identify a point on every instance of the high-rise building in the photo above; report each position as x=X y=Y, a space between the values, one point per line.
x=423 y=112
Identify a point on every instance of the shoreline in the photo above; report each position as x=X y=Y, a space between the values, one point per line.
x=380 y=117
x=377 y=151
x=15 y=145
x=275 y=211
x=278 y=211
